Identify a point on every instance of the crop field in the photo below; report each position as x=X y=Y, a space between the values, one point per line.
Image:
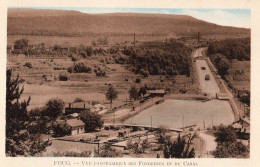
x=176 y=113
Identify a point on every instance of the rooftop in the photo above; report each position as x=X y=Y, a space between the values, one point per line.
x=75 y=122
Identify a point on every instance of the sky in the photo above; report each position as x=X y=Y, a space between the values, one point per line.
x=225 y=17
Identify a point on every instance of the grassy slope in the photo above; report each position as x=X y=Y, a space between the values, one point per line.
x=71 y=23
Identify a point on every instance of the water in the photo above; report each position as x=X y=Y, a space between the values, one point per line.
x=176 y=113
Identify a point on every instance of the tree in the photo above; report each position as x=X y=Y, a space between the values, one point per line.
x=142 y=91
x=231 y=150
x=92 y=120
x=19 y=142
x=179 y=149
x=61 y=129
x=108 y=151
x=225 y=134
x=133 y=93
x=111 y=94
x=53 y=108
x=21 y=43
x=227 y=144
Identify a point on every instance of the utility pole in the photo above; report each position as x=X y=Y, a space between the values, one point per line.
x=114 y=117
x=212 y=119
x=134 y=39
x=151 y=122
x=183 y=121
x=198 y=37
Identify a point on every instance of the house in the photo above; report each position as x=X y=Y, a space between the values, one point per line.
x=75 y=107
x=77 y=126
x=156 y=92
x=242 y=128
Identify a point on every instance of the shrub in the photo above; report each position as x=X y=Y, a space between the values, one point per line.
x=78 y=99
x=79 y=68
x=28 y=64
x=138 y=80
x=63 y=77
x=145 y=73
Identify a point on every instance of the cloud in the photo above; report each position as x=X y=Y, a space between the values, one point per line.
x=220 y=17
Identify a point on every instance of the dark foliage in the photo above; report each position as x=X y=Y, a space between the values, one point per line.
x=91 y=119
x=227 y=144
x=61 y=129
x=231 y=48
x=53 y=108
x=19 y=141
x=79 y=68
x=21 y=43
x=63 y=77
x=111 y=94
x=179 y=149
x=108 y=151
x=133 y=92
x=156 y=58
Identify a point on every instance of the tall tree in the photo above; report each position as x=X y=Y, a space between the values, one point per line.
x=111 y=95
x=179 y=149
x=53 y=108
x=19 y=142
x=133 y=92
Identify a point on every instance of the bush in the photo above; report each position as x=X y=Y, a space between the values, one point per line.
x=78 y=100
x=79 y=68
x=63 y=77
x=138 y=80
x=145 y=73
x=28 y=64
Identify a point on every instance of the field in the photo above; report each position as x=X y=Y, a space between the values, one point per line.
x=41 y=82
x=176 y=113
x=50 y=41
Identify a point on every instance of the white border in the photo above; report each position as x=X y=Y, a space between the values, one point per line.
x=254 y=5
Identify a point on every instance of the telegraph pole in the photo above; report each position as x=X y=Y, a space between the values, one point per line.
x=183 y=121
x=198 y=37
x=134 y=39
x=151 y=122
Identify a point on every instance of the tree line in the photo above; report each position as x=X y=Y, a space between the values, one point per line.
x=159 y=58
x=231 y=48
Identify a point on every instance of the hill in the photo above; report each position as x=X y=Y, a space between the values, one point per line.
x=73 y=23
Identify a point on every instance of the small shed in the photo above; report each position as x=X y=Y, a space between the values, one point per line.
x=77 y=126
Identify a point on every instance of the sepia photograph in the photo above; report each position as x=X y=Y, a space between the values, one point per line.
x=102 y=82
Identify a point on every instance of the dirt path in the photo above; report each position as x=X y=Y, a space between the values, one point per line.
x=210 y=144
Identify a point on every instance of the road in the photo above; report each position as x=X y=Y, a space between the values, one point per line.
x=210 y=144
x=206 y=86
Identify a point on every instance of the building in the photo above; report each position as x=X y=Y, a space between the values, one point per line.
x=77 y=126
x=157 y=92
x=76 y=107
